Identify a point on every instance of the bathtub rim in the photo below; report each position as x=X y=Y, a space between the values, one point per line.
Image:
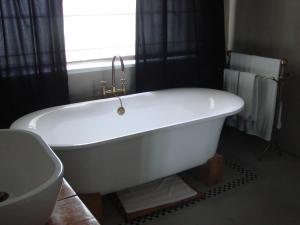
x=128 y=136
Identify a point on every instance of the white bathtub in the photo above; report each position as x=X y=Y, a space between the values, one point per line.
x=161 y=133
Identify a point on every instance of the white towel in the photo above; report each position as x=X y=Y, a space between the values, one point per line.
x=230 y=84
x=156 y=193
x=231 y=80
x=266 y=90
x=244 y=85
x=247 y=90
x=255 y=64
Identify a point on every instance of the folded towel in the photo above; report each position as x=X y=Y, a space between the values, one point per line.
x=267 y=90
x=244 y=85
x=255 y=64
x=231 y=80
x=248 y=91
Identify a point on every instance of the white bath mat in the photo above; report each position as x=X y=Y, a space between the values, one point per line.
x=154 y=194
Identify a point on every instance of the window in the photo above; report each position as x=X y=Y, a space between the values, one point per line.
x=96 y=30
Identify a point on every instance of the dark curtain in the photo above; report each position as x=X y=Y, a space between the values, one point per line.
x=179 y=43
x=33 y=71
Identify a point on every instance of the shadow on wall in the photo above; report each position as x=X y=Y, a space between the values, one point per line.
x=271 y=28
x=85 y=84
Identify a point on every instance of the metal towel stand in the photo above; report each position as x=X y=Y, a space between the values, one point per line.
x=283 y=76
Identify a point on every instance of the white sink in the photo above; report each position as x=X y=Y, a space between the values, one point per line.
x=30 y=178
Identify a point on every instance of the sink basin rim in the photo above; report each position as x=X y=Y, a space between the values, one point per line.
x=57 y=173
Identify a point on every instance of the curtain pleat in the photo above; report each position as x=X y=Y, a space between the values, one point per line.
x=33 y=72
x=179 y=43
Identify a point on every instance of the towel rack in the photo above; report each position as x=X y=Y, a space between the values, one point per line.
x=283 y=76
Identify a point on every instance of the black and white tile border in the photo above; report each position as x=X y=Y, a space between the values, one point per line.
x=247 y=176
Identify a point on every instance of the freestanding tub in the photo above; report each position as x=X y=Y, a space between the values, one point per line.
x=161 y=133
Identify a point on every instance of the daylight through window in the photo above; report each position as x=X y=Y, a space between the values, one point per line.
x=99 y=29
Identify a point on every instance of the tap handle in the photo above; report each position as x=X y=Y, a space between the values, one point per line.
x=103 y=87
x=123 y=85
x=123 y=81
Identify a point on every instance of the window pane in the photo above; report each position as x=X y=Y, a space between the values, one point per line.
x=96 y=29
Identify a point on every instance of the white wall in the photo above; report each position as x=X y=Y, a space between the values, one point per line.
x=84 y=84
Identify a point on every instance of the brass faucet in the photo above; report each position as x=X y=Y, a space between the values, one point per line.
x=114 y=90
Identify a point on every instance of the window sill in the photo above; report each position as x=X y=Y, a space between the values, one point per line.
x=86 y=67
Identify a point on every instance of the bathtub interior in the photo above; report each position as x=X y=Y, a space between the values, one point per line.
x=98 y=121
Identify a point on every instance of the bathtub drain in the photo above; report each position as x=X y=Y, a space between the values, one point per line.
x=3 y=196
x=121 y=109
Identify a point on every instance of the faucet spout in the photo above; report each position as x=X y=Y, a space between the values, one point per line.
x=114 y=90
x=113 y=73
